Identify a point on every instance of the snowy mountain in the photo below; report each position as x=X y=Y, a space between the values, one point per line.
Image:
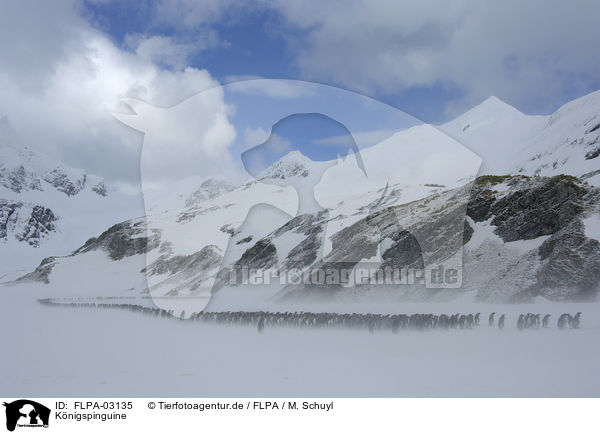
x=208 y=189
x=530 y=232
x=292 y=165
x=22 y=170
x=47 y=207
x=510 y=142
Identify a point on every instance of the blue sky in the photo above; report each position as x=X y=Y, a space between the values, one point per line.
x=259 y=44
x=253 y=43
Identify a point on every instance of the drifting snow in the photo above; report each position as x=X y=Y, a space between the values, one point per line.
x=102 y=352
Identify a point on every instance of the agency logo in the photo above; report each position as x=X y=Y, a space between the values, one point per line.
x=337 y=193
x=24 y=413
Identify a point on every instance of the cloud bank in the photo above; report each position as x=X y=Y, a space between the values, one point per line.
x=62 y=81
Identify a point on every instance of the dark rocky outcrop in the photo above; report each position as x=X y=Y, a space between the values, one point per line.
x=564 y=265
x=119 y=241
x=40 y=223
x=570 y=267
x=532 y=209
x=27 y=226
x=122 y=240
x=42 y=271
x=61 y=181
x=205 y=259
x=590 y=155
x=100 y=189
x=261 y=255
x=311 y=226
x=19 y=179
x=567 y=264
x=405 y=252
x=8 y=216
x=209 y=189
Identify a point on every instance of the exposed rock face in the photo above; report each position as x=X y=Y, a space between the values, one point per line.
x=28 y=223
x=540 y=247
x=541 y=208
x=19 y=179
x=404 y=236
x=405 y=252
x=209 y=189
x=100 y=189
x=60 y=180
x=311 y=226
x=262 y=255
x=518 y=208
x=119 y=241
x=26 y=215
x=183 y=274
x=42 y=272
x=295 y=170
x=565 y=266
x=194 y=212
x=511 y=279
x=594 y=153
x=206 y=259
x=467 y=232
x=8 y=216
x=122 y=240
x=407 y=236
x=293 y=165
x=39 y=224
x=570 y=267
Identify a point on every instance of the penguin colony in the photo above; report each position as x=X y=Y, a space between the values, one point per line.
x=372 y=322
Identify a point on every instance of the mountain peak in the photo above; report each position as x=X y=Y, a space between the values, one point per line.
x=493 y=106
x=492 y=109
x=294 y=155
x=293 y=164
x=492 y=99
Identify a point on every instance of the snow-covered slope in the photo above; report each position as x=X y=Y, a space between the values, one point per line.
x=511 y=142
x=526 y=239
x=192 y=243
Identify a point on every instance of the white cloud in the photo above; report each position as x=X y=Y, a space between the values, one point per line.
x=255 y=136
x=533 y=54
x=190 y=14
x=278 y=144
x=61 y=79
x=62 y=102
x=530 y=53
x=160 y=49
x=169 y=51
x=188 y=139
